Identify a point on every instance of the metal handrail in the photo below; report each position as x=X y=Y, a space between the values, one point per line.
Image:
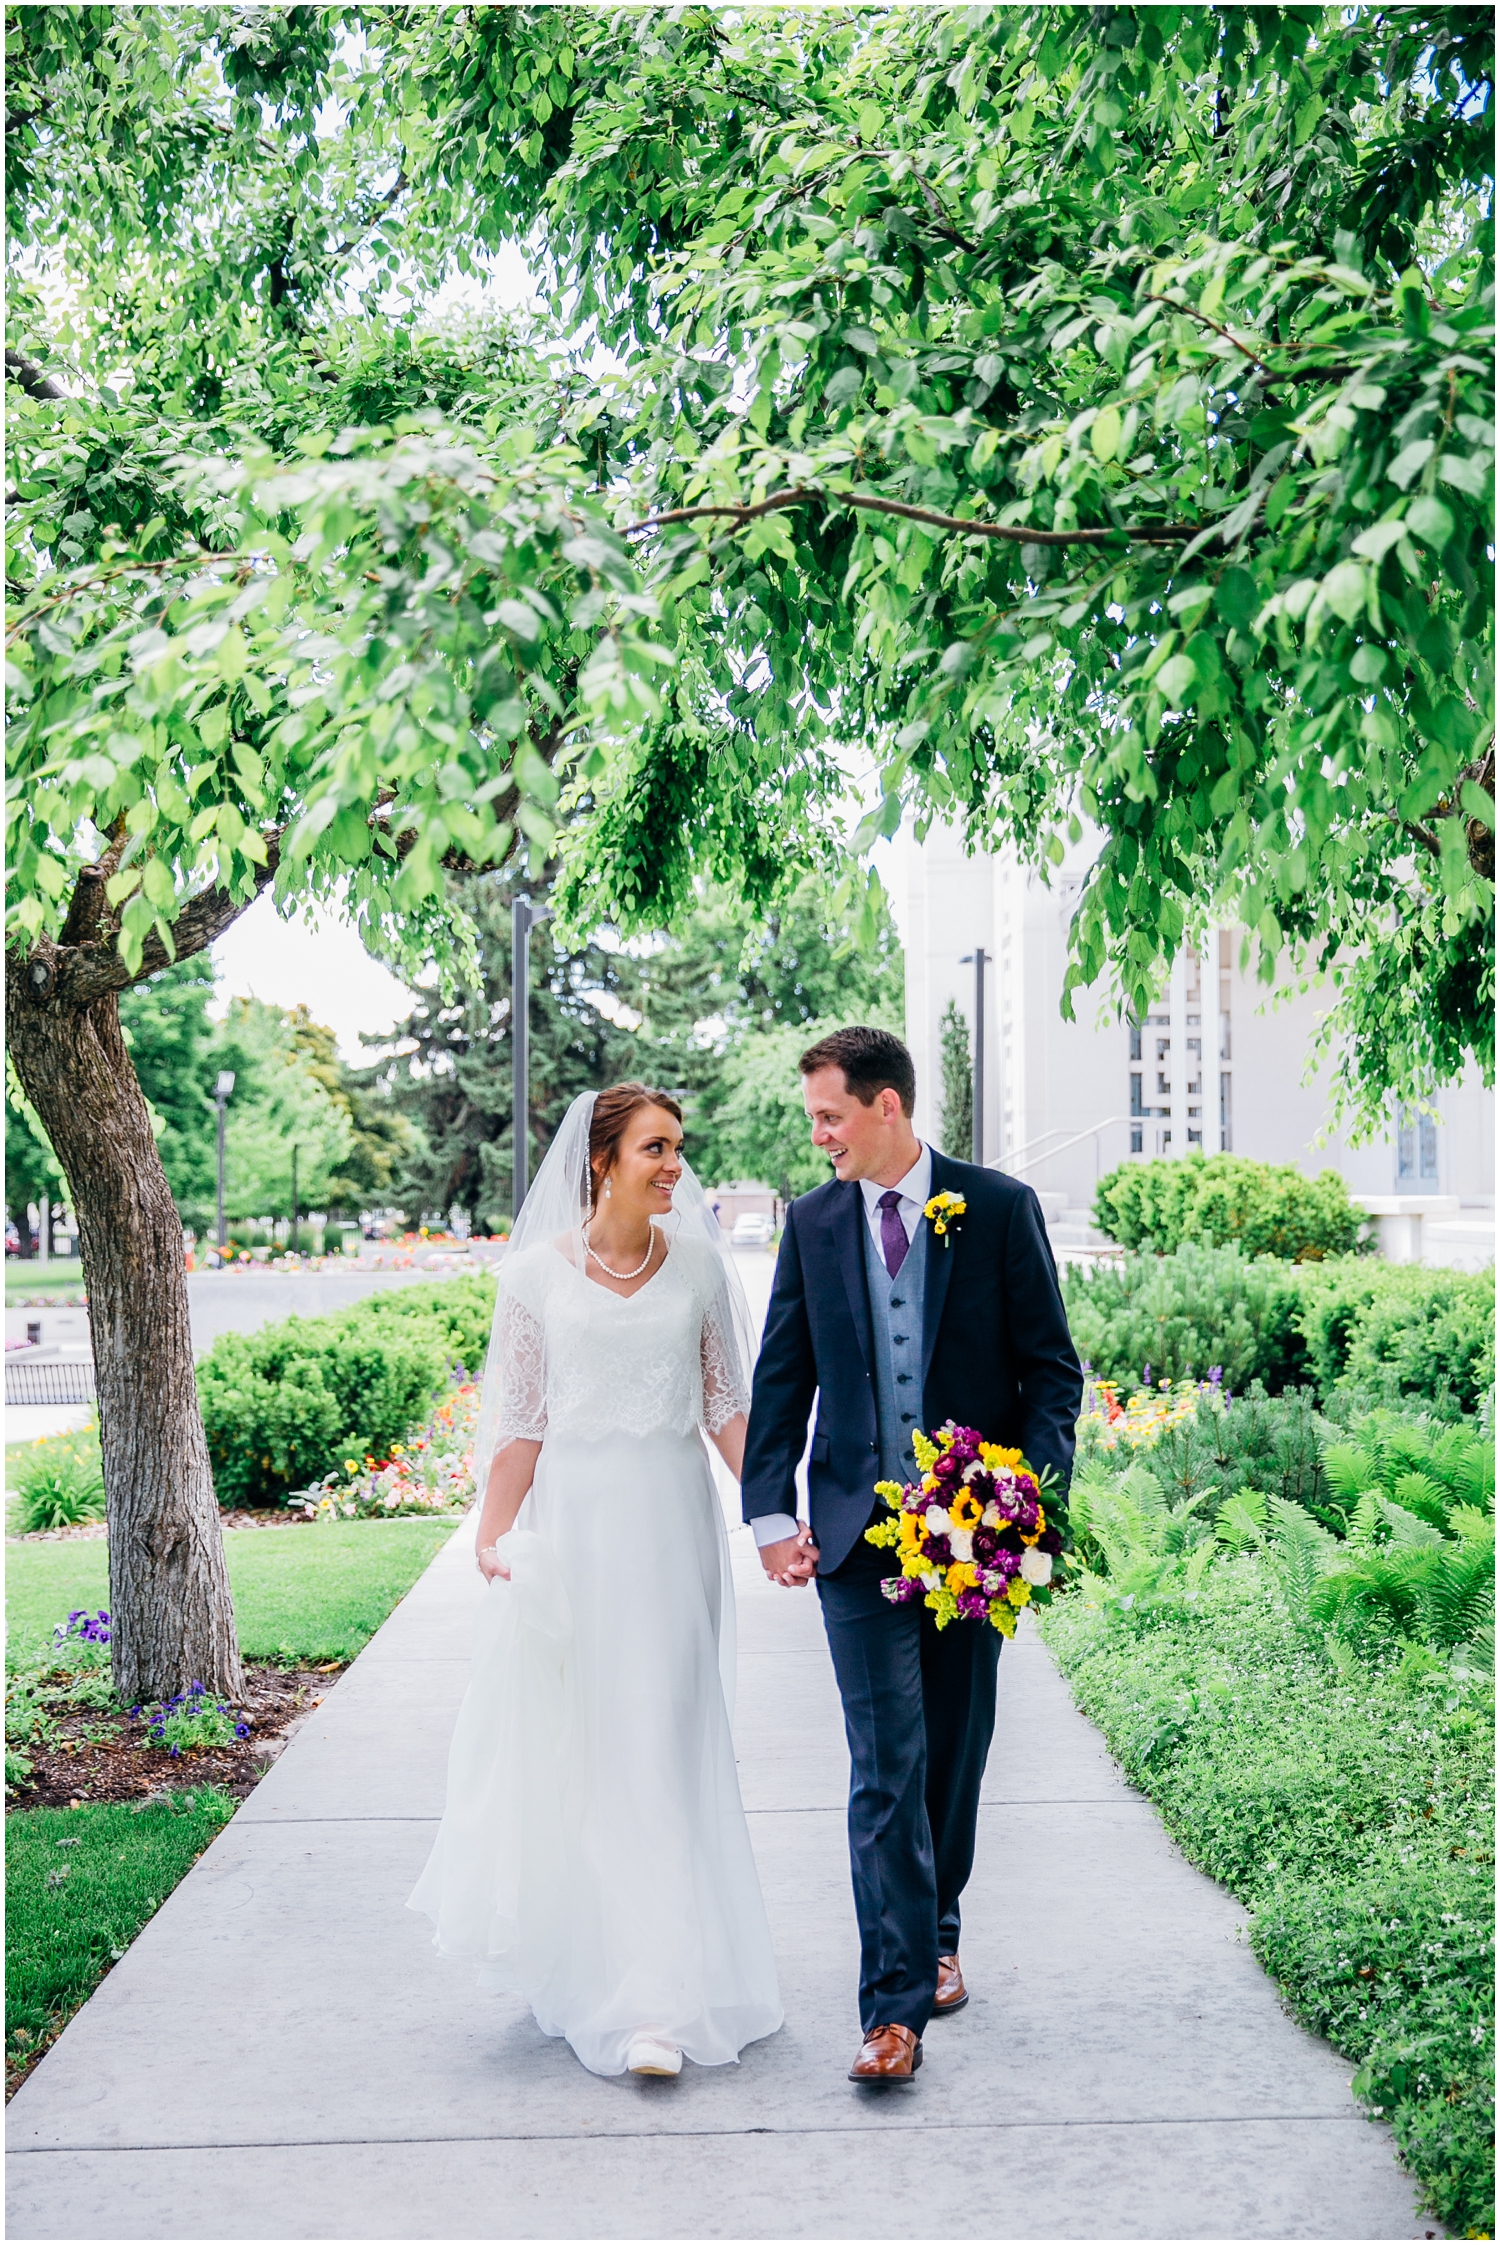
x=1026 y=1149
x=1076 y=1140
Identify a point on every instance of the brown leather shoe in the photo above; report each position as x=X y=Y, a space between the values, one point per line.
x=951 y=1995
x=887 y=2054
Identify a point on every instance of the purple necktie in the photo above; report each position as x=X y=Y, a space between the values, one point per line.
x=893 y=1240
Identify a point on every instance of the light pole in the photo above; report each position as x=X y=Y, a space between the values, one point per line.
x=978 y=959
x=523 y=918
x=292 y=1242
x=222 y=1089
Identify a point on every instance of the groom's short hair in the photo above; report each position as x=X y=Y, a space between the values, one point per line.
x=872 y=1060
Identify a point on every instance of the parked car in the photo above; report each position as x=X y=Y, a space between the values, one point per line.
x=752 y=1231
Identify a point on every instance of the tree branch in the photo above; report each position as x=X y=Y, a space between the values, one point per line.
x=392 y=194
x=1191 y=311
x=79 y=973
x=1012 y=533
x=32 y=378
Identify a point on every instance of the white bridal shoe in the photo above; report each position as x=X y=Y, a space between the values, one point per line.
x=653 y=2054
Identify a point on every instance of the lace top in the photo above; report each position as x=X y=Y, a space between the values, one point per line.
x=576 y=1359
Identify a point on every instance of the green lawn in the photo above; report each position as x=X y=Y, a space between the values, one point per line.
x=79 y=1885
x=54 y=1282
x=305 y=1594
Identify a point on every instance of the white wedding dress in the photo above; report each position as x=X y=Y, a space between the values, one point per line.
x=594 y=1853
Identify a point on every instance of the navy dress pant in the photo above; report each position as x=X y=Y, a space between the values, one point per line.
x=919 y=1712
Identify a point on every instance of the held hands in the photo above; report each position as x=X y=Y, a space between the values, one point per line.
x=793 y=1561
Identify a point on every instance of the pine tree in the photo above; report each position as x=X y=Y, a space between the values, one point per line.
x=956 y=1124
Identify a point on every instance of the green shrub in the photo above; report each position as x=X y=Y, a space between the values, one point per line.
x=283 y=1405
x=1382 y=1331
x=1430 y=1468
x=1227 y=1201
x=460 y=1309
x=1262 y=1442
x=1185 y=1312
x=58 y=1481
x=1350 y=1806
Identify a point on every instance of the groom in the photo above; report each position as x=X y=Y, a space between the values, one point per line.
x=893 y=1328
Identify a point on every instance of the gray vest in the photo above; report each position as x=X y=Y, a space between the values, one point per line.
x=896 y=1313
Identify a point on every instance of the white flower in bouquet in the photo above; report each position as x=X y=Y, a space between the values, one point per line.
x=961 y=1544
x=975 y=1465
x=938 y=1523
x=1036 y=1567
x=992 y=1515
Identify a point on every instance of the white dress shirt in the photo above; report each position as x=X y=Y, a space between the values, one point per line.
x=915 y=1189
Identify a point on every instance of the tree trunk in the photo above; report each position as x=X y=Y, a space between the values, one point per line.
x=172 y=1619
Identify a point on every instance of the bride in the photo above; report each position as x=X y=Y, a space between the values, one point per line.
x=594 y=1853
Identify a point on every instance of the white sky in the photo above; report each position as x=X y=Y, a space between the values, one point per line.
x=317 y=961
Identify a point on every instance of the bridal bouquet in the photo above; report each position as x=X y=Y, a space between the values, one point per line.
x=971 y=1536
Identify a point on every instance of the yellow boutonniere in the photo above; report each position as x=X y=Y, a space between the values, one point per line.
x=943 y=1211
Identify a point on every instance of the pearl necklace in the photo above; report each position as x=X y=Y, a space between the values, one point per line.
x=599 y=1259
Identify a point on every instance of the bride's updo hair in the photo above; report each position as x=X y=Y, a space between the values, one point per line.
x=612 y=1111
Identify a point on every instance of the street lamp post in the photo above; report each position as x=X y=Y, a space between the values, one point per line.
x=978 y=959
x=523 y=918
x=292 y=1242
x=222 y=1089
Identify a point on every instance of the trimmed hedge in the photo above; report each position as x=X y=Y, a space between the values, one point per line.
x=1387 y=1331
x=284 y=1406
x=1362 y=1331
x=1226 y=1201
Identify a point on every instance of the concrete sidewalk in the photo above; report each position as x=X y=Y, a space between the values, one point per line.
x=281 y=2055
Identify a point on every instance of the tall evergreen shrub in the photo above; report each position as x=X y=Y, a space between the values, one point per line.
x=956 y=1122
x=1186 y=1312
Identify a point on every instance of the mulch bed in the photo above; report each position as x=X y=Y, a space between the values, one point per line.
x=102 y=1757
x=248 y=1516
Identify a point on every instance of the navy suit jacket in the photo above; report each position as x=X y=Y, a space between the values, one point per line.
x=996 y=1351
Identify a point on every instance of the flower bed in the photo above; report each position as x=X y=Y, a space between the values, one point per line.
x=1150 y=1412
x=432 y=1471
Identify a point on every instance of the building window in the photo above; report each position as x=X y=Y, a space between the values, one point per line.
x=1136 y=1108
x=1135 y=1141
x=1226 y=1113
x=1135 y=1040
x=1416 y=1149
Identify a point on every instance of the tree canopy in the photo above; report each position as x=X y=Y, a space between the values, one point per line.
x=1083 y=416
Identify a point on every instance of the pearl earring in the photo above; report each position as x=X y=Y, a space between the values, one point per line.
x=608 y=1188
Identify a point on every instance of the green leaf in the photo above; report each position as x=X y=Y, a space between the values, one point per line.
x=1177 y=679
x=1104 y=436
x=1346 y=589
x=1478 y=804
x=1410 y=461
x=1476 y=475
x=1430 y=521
